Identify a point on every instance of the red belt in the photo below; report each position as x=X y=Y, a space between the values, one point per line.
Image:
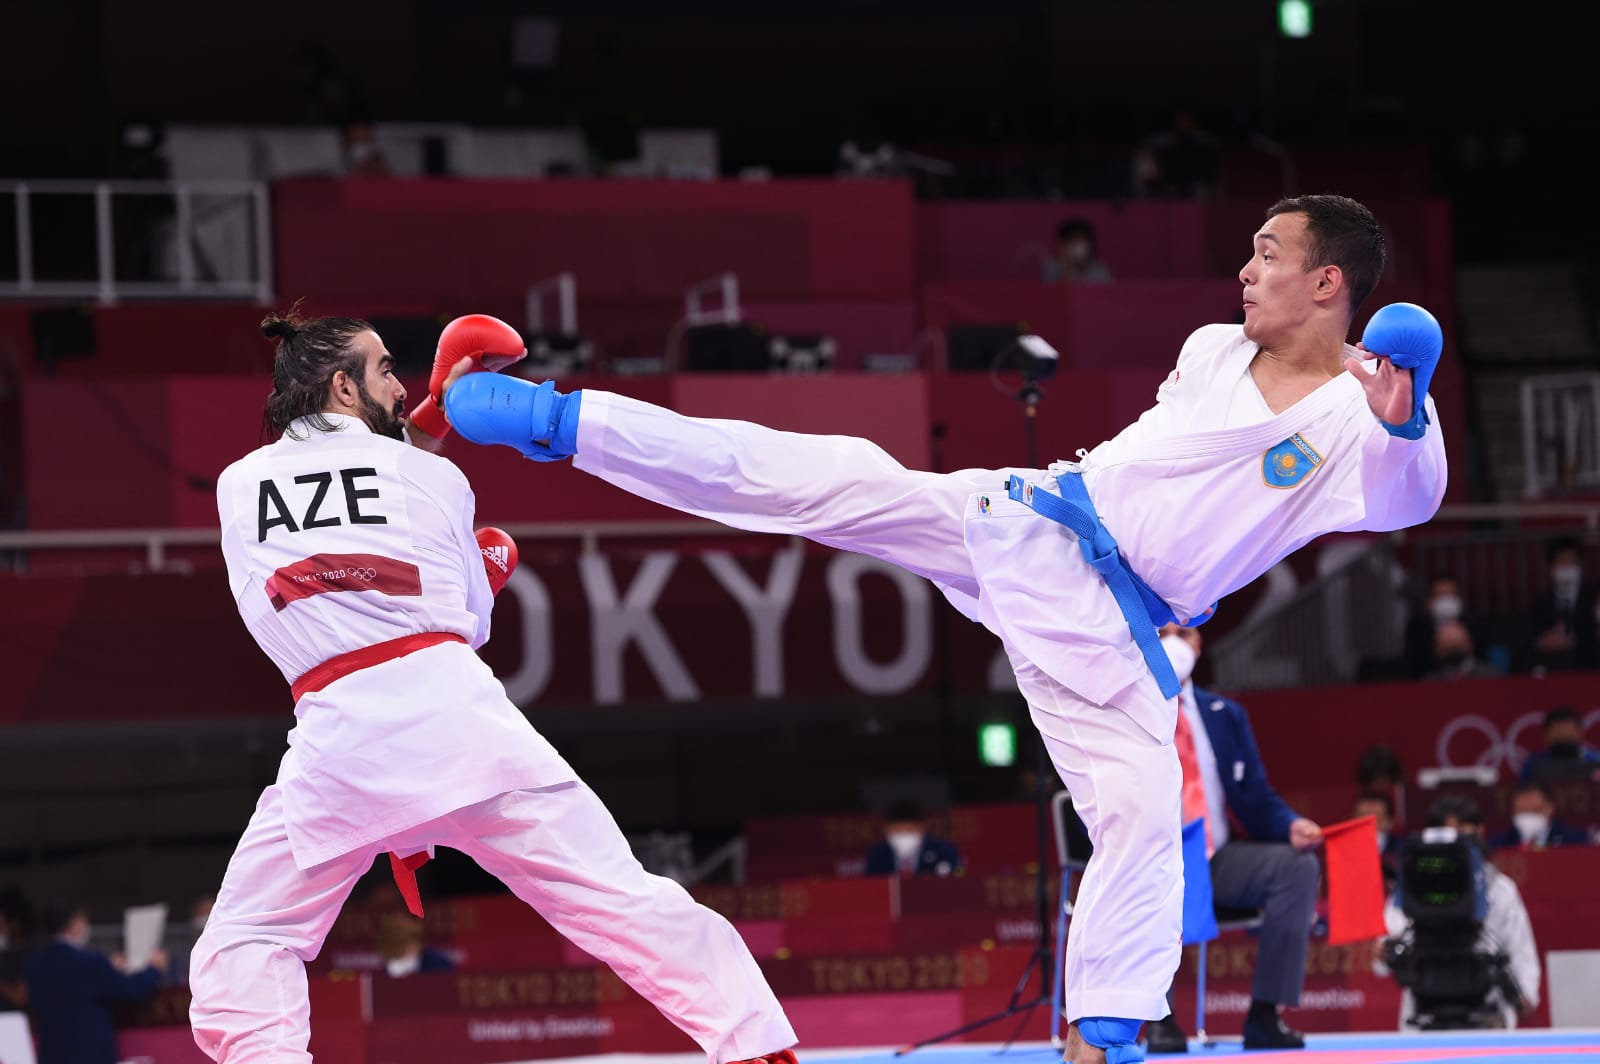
x=342 y=665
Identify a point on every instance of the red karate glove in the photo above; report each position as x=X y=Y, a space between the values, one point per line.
x=490 y=343
x=499 y=556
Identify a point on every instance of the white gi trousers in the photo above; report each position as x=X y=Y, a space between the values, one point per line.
x=1115 y=755
x=1126 y=937
x=556 y=847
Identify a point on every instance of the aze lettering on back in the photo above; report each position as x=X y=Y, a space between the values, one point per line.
x=272 y=511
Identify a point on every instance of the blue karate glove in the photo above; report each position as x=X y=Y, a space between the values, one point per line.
x=1411 y=338
x=535 y=419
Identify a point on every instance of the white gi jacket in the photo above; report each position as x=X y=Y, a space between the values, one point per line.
x=1258 y=493
x=341 y=540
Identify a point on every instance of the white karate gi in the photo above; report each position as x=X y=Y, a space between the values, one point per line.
x=1196 y=460
x=419 y=751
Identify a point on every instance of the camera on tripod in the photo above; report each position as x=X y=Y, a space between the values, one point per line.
x=1455 y=978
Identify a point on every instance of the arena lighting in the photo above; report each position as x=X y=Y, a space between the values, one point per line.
x=1294 y=18
x=997 y=745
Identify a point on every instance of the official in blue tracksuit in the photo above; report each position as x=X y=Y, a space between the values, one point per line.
x=71 y=988
x=1262 y=851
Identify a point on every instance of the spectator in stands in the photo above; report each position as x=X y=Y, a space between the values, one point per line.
x=1180 y=162
x=400 y=944
x=1565 y=755
x=908 y=848
x=1454 y=655
x=1271 y=867
x=1533 y=822
x=71 y=988
x=1506 y=927
x=1380 y=807
x=1562 y=626
x=16 y=927
x=1443 y=605
x=362 y=155
x=1077 y=258
x=1379 y=769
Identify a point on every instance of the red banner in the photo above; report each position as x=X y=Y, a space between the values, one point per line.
x=897 y=979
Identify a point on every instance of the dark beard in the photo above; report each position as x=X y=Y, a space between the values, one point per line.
x=381 y=421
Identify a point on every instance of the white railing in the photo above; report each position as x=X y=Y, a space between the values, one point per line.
x=565 y=288
x=726 y=287
x=206 y=239
x=1560 y=433
x=157 y=543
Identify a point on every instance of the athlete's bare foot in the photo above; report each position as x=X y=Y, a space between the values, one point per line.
x=1081 y=1052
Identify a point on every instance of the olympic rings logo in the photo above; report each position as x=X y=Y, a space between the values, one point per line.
x=1497 y=749
x=362 y=572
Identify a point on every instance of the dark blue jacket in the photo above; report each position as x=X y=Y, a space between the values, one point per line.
x=1251 y=800
x=1558 y=835
x=70 y=991
x=939 y=857
x=1541 y=765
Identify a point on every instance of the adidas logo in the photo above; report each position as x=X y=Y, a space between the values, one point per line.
x=499 y=555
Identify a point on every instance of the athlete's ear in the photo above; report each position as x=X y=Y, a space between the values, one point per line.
x=1330 y=282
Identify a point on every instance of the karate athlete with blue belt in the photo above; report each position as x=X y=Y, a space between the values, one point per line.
x=1266 y=435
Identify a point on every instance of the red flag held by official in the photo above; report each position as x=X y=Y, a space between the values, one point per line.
x=1355 y=881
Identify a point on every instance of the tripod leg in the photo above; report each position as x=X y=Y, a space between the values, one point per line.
x=1057 y=961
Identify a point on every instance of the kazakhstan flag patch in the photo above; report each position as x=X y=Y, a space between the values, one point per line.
x=1290 y=462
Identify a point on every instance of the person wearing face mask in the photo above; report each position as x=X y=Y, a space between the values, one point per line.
x=1455 y=656
x=71 y=989
x=1261 y=850
x=1565 y=634
x=1533 y=822
x=908 y=848
x=1444 y=606
x=1077 y=258
x=1565 y=756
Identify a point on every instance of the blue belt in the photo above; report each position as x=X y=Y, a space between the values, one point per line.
x=1145 y=610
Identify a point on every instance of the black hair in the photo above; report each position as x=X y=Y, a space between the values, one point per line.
x=17 y=911
x=1528 y=786
x=904 y=809
x=1377 y=796
x=1378 y=760
x=55 y=915
x=1340 y=232
x=1562 y=543
x=1072 y=227
x=1561 y=713
x=1454 y=806
x=310 y=351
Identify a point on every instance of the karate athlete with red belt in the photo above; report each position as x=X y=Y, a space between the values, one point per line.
x=355 y=566
x=1265 y=435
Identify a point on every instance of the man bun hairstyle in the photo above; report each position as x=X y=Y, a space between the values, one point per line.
x=308 y=352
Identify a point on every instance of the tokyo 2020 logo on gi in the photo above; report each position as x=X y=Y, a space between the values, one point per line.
x=1290 y=462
